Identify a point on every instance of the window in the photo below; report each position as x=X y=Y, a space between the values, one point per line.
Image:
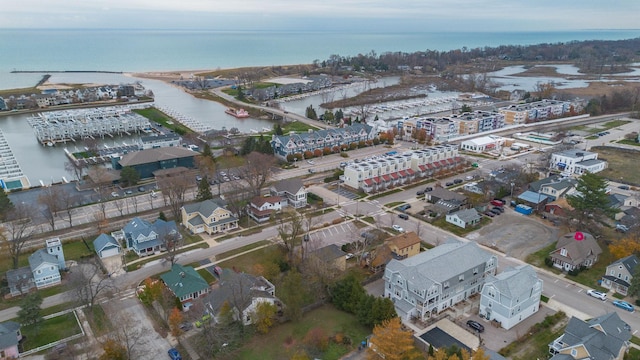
x=563 y=252
x=461 y=278
x=574 y=352
x=446 y=285
x=475 y=271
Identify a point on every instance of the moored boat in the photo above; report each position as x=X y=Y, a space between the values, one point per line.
x=239 y=113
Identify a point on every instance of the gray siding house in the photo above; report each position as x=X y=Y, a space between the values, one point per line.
x=619 y=274
x=428 y=283
x=511 y=296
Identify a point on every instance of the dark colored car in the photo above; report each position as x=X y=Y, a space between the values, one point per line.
x=141 y=188
x=497 y=212
x=403 y=216
x=489 y=214
x=404 y=207
x=623 y=187
x=428 y=188
x=449 y=184
x=498 y=208
x=186 y=326
x=174 y=354
x=419 y=193
x=457 y=181
x=475 y=325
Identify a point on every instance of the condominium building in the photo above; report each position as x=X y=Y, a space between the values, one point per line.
x=535 y=111
x=386 y=171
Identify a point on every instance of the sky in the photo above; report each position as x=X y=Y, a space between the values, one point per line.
x=356 y=15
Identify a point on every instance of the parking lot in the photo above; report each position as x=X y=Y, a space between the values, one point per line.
x=515 y=234
x=340 y=234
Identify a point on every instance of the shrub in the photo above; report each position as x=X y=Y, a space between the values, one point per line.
x=344 y=155
x=317 y=152
x=337 y=221
x=335 y=149
x=548 y=262
x=290 y=157
x=317 y=339
x=308 y=154
x=361 y=143
x=353 y=146
x=376 y=141
x=326 y=151
x=344 y=147
x=297 y=156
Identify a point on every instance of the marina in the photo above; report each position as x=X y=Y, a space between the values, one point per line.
x=187 y=121
x=65 y=126
x=11 y=176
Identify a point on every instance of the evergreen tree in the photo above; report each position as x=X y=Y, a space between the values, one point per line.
x=278 y=129
x=339 y=115
x=206 y=151
x=204 y=190
x=129 y=176
x=591 y=198
x=240 y=93
x=5 y=204
x=311 y=113
x=29 y=313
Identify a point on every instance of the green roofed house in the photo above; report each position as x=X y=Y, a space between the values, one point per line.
x=185 y=283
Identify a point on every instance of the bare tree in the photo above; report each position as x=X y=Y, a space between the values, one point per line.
x=134 y=201
x=171 y=241
x=257 y=170
x=87 y=283
x=174 y=188
x=120 y=204
x=126 y=333
x=68 y=200
x=290 y=227
x=74 y=168
x=17 y=231
x=51 y=199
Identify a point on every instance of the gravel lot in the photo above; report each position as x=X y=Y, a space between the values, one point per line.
x=515 y=234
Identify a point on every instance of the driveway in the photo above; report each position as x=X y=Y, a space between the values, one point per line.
x=151 y=345
x=515 y=235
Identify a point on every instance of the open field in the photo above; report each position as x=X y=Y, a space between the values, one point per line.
x=286 y=339
x=622 y=166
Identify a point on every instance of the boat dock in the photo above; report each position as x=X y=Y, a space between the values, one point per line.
x=11 y=175
x=189 y=122
x=68 y=125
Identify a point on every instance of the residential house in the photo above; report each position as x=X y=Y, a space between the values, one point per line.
x=446 y=201
x=464 y=218
x=432 y=281
x=145 y=162
x=145 y=238
x=619 y=273
x=261 y=208
x=242 y=292
x=397 y=247
x=43 y=270
x=185 y=283
x=207 y=216
x=292 y=190
x=576 y=162
x=511 y=296
x=534 y=199
x=330 y=257
x=554 y=187
x=558 y=207
x=106 y=246
x=575 y=250
x=10 y=337
x=602 y=338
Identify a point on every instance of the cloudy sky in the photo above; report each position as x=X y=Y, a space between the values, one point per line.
x=363 y=15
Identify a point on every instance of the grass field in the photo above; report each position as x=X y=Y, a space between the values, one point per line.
x=285 y=339
x=50 y=330
x=163 y=119
x=622 y=166
x=246 y=262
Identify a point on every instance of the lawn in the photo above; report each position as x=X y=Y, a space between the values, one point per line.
x=75 y=250
x=537 y=339
x=443 y=224
x=629 y=142
x=246 y=262
x=50 y=330
x=285 y=339
x=537 y=258
x=206 y=275
x=155 y=115
x=298 y=127
x=242 y=249
x=396 y=190
x=621 y=164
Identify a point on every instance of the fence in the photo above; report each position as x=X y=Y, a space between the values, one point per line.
x=56 y=343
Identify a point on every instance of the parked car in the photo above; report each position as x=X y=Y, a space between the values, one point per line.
x=475 y=325
x=457 y=181
x=623 y=305
x=489 y=214
x=174 y=354
x=497 y=212
x=624 y=187
x=186 y=326
x=310 y=162
x=141 y=188
x=198 y=178
x=404 y=207
x=204 y=319
x=498 y=208
x=129 y=192
x=398 y=228
x=449 y=183
x=217 y=270
x=349 y=256
x=428 y=188
x=496 y=203
x=468 y=177
x=597 y=294
x=622 y=228
x=403 y=216
x=115 y=194
x=311 y=171
x=420 y=193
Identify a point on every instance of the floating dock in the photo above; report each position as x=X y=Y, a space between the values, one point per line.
x=11 y=175
x=68 y=125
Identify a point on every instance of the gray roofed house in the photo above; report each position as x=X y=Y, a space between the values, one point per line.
x=243 y=292
x=20 y=281
x=145 y=238
x=207 y=216
x=45 y=268
x=291 y=189
x=434 y=280
x=511 y=296
x=331 y=256
x=10 y=336
x=603 y=338
x=105 y=246
x=574 y=250
x=439 y=193
x=464 y=218
x=619 y=273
